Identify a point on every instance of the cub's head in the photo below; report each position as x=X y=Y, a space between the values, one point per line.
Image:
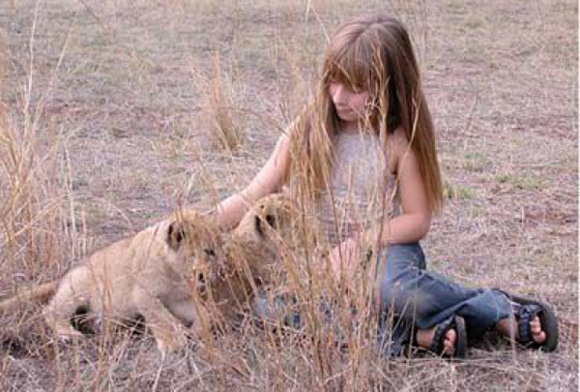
x=197 y=238
x=190 y=232
x=273 y=218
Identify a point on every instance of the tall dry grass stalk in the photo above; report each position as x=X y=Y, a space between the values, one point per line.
x=37 y=214
x=32 y=208
x=219 y=113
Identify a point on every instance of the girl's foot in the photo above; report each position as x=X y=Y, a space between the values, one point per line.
x=425 y=339
x=447 y=339
x=533 y=324
x=505 y=327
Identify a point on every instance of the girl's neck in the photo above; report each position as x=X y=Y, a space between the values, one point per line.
x=351 y=127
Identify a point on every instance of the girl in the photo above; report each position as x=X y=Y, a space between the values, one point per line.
x=364 y=153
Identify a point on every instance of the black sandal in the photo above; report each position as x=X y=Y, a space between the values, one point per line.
x=525 y=310
x=437 y=344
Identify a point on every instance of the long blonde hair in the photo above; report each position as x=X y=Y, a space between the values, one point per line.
x=370 y=53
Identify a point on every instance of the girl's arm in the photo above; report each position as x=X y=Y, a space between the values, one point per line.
x=414 y=222
x=268 y=180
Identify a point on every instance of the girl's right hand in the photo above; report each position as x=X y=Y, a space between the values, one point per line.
x=343 y=258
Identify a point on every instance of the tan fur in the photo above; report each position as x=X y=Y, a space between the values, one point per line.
x=146 y=275
x=252 y=255
x=41 y=293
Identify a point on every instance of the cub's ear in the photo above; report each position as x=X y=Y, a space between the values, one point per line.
x=175 y=235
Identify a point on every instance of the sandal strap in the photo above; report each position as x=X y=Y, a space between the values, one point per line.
x=437 y=343
x=525 y=314
x=524 y=310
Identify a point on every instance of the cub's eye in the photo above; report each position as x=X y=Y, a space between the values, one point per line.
x=209 y=252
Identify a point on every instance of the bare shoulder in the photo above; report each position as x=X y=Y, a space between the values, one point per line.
x=397 y=146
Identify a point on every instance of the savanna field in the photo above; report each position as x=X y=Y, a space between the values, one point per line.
x=115 y=113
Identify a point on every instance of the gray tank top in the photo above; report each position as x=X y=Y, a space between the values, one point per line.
x=361 y=192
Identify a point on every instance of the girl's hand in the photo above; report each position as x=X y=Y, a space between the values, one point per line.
x=345 y=257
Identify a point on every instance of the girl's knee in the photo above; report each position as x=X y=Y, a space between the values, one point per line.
x=403 y=299
x=412 y=295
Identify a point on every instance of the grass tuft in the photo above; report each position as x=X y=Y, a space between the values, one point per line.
x=222 y=116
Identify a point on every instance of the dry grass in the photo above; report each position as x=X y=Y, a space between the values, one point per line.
x=101 y=134
x=220 y=116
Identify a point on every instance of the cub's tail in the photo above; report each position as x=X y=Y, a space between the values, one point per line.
x=39 y=294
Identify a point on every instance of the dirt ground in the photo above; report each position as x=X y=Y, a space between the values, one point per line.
x=112 y=98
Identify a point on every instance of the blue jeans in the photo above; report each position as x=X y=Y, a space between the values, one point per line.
x=416 y=297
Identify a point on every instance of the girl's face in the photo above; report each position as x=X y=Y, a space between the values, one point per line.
x=350 y=105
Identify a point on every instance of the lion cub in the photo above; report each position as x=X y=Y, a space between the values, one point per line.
x=252 y=256
x=146 y=276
